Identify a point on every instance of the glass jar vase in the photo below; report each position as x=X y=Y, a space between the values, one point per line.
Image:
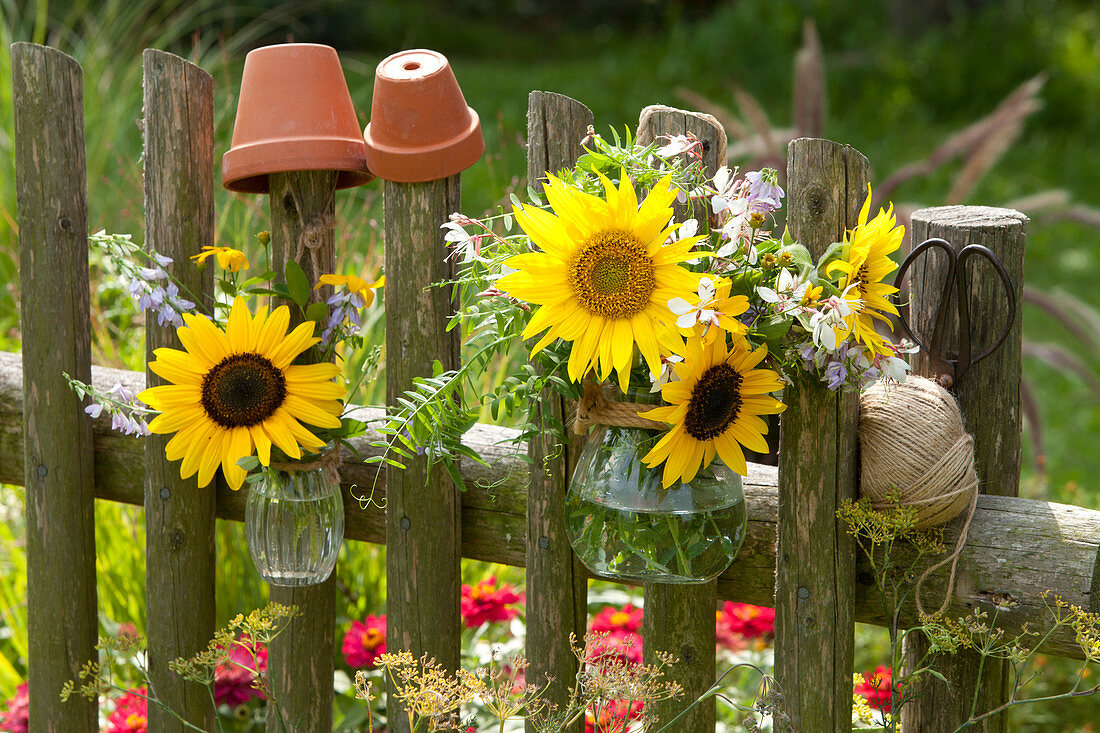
x=623 y=525
x=294 y=522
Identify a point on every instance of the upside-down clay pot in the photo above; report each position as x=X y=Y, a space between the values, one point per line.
x=421 y=128
x=294 y=114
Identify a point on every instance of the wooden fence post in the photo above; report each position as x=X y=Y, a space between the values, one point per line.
x=179 y=516
x=816 y=559
x=48 y=95
x=301 y=658
x=557 y=582
x=679 y=619
x=423 y=507
x=989 y=395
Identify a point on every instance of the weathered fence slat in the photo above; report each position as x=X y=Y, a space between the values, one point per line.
x=179 y=516
x=989 y=395
x=557 y=582
x=302 y=657
x=679 y=619
x=423 y=522
x=48 y=95
x=815 y=567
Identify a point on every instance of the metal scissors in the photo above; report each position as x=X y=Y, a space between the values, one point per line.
x=954 y=369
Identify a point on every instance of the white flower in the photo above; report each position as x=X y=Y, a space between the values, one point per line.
x=676 y=144
x=895 y=368
x=725 y=186
x=668 y=374
x=690 y=314
x=462 y=241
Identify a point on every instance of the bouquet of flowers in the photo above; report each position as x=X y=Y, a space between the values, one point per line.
x=246 y=389
x=712 y=312
x=717 y=310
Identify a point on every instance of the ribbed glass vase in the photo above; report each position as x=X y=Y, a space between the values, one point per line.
x=624 y=526
x=294 y=522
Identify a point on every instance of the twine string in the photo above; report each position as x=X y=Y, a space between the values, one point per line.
x=594 y=408
x=328 y=462
x=915 y=452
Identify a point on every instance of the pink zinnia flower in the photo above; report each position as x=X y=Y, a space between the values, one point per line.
x=365 y=642
x=14 y=718
x=131 y=713
x=233 y=677
x=877 y=688
x=485 y=602
x=738 y=623
x=613 y=620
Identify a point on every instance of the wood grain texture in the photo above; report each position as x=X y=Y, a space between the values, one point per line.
x=51 y=192
x=302 y=658
x=815 y=568
x=557 y=582
x=423 y=513
x=1016 y=546
x=680 y=619
x=989 y=396
x=179 y=516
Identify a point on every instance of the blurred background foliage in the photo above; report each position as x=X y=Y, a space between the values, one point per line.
x=899 y=78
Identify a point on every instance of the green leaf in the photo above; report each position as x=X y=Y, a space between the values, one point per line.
x=297 y=284
x=249 y=463
x=837 y=251
x=227 y=287
x=317 y=312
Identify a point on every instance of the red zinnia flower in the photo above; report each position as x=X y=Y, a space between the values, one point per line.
x=485 y=602
x=131 y=713
x=877 y=688
x=233 y=677
x=365 y=642
x=14 y=719
x=612 y=620
x=738 y=623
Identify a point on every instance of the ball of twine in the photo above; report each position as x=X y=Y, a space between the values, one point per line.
x=913 y=441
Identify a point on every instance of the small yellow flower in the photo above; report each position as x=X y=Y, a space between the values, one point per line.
x=228 y=258
x=354 y=284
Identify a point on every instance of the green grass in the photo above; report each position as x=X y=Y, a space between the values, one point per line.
x=893 y=99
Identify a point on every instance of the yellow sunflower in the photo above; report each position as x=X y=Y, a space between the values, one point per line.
x=870 y=246
x=235 y=392
x=228 y=258
x=604 y=276
x=715 y=408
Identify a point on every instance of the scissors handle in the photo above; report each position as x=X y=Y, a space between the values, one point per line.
x=957 y=279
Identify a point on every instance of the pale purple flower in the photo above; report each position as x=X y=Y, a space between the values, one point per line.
x=835 y=374
x=765 y=194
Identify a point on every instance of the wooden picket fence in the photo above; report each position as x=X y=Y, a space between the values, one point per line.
x=795 y=555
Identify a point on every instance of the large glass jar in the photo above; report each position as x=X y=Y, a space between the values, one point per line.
x=294 y=522
x=624 y=526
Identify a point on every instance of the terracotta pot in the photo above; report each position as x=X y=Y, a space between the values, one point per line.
x=420 y=126
x=294 y=114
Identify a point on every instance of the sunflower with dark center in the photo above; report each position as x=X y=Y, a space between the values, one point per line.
x=714 y=409
x=235 y=393
x=870 y=245
x=605 y=273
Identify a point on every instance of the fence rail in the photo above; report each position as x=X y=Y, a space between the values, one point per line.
x=1015 y=547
